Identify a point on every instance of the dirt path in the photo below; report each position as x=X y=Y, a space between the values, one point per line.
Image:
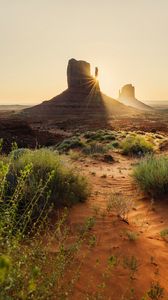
x=118 y=268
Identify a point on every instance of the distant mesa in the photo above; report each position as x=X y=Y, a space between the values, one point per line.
x=127 y=91
x=83 y=101
x=127 y=97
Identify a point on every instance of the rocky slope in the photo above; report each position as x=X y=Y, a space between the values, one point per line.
x=14 y=129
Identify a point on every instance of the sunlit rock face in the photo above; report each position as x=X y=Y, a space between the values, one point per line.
x=127 y=97
x=79 y=76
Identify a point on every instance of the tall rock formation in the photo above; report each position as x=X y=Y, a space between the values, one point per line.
x=127 y=97
x=82 y=103
x=79 y=76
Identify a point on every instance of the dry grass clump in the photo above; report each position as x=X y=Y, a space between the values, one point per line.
x=151 y=174
x=120 y=205
x=94 y=148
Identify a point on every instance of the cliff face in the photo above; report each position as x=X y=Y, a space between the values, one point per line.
x=79 y=76
x=77 y=72
x=127 y=97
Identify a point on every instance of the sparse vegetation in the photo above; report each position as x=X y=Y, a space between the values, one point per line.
x=74 y=155
x=164 y=234
x=37 y=180
x=113 y=261
x=132 y=264
x=120 y=205
x=152 y=175
x=156 y=292
x=136 y=145
x=28 y=268
x=132 y=236
x=40 y=259
x=113 y=145
x=100 y=135
x=94 y=148
x=70 y=143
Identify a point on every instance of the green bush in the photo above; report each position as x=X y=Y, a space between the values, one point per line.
x=113 y=145
x=100 y=136
x=39 y=179
x=152 y=175
x=136 y=145
x=18 y=152
x=71 y=143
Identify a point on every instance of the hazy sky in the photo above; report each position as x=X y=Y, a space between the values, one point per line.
x=126 y=39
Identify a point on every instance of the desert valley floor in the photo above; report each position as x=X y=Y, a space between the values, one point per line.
x=121 y=258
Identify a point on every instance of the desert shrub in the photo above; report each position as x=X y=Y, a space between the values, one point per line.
x=164 y=234
x=18 y=152
x=39 y=179
x=94 y=148
x=151 y=174
x=132 y=236
x=136 y=145
x=120 y=205
x=100 y=135
x=156 y=292
x=71 y=143
x=107 y=137
x=88 y=134
x=131 y=263
x=114 y=144
x=74 y=155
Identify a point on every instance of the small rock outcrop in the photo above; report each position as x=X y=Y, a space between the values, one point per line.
x=14 y=129
x=127 y=97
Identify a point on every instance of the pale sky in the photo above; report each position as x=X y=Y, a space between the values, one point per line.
x=126 y=39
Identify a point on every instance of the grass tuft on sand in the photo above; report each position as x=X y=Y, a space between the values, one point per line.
x=151 y=174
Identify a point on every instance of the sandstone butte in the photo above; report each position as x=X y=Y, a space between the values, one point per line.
x=127 y=97
x=82 y=102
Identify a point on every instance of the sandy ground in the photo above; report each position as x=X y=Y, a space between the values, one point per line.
x=97 y=279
